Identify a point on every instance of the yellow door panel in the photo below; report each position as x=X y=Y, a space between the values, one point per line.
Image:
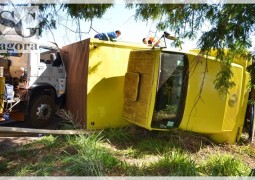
x=233 y=99
x=206 y=111
x=145 y=64
x=204 y=108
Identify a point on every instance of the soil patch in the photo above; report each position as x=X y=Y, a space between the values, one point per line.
x=9 y=142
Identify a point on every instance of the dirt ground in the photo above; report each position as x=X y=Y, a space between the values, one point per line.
x=8 y=142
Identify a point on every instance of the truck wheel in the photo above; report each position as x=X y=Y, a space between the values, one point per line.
x=249 y=122
x=41 y=110
x=252 y=131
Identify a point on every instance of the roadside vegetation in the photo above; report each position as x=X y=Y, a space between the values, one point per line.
x=128 y=151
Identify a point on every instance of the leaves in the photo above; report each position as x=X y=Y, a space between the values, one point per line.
x=229 y=27
x=86 y=11
x=49 y=13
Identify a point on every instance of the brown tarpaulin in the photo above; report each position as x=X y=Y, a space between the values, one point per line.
x=76 y=58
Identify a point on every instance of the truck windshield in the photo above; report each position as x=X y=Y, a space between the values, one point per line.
x=45 y=53
x=170 y=91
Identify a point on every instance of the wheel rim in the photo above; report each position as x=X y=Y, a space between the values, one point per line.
x=43 y=111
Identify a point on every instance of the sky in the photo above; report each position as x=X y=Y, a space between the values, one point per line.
x=116 y=18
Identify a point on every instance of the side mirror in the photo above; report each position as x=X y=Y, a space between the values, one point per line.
x=57 y=61
x=52 y=57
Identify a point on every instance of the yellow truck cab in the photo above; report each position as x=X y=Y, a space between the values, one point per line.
x=168 y=88
x=114 y=84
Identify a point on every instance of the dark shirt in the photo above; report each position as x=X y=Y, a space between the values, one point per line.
x=106 y=36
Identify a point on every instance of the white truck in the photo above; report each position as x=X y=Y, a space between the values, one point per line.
x=33 y=80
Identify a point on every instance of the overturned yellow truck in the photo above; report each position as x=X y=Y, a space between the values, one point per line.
x=113 y=84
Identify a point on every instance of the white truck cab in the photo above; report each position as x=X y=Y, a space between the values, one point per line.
x=34 y=77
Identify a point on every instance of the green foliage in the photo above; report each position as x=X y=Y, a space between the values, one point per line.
x=44 y=167
x=24 y=171
x=3 y=166
x=183 y=19
x=146 y=11
x=231 y=24
x=78 y=165
x=86 y=11
x=134 y=170
x=49 y=13
x=132 y=152
x=224 y=165
x=90 y=160
x=49 y=141
x=174 y=163
x=223 y=79
x=81 y=142
x=68 y=121
x=118 y=134
x=151 y=154
x=245 y=150
x=251 y=70
x=153 y=146
x=229 y=27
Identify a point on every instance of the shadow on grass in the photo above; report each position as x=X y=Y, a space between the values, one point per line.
x=155 y=142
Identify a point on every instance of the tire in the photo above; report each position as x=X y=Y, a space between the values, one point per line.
x=249 y=122
x=41 y=111
x=252 y=131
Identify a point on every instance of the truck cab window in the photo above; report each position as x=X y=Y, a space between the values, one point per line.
x=57 y=62
x=169 y=90
x=45 y=55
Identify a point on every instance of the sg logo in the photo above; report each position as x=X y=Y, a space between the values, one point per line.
x=18 y=18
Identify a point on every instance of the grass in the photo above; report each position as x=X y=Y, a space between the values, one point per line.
x=224 y=165
x=91 y=159
x=128 y=151
x=174 y=163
